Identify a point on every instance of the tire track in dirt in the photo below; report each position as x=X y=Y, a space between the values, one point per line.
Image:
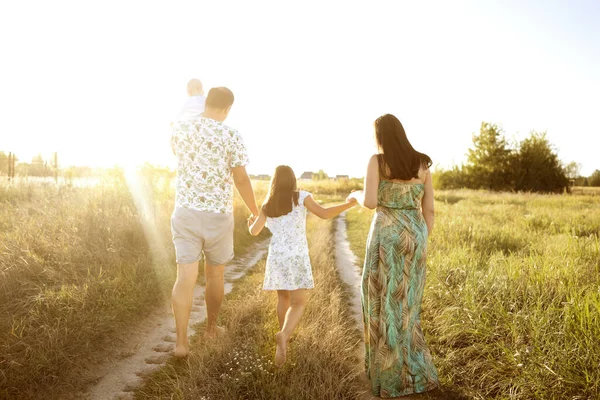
x=348 y=268
x=149 y=349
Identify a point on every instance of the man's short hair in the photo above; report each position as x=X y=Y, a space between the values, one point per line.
x=219 y=97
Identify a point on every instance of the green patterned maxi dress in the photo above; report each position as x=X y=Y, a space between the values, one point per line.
x=397 y=360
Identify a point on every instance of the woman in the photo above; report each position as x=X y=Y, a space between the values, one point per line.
x=398 y=184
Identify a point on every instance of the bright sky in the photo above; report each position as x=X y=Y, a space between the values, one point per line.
x=99 y=81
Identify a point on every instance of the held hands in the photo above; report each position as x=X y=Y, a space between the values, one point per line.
x=251 y=219
x=354 y=196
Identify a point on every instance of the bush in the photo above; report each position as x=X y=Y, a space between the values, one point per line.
x=595 y=178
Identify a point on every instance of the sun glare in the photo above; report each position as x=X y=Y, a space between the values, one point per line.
x=142 y=194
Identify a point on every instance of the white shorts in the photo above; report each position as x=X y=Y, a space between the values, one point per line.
x=196 y=232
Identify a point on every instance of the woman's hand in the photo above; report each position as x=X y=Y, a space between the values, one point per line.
x=251 y=219
x=354 y=196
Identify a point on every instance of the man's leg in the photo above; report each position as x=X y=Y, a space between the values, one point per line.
x=181 y=300
x=213 y=295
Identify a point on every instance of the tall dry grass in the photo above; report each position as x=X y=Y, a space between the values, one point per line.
x=76 y=268
x=322 y=362
x=512 y=301
x=79 y=268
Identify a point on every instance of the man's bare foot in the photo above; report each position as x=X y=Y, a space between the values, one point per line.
x=215 y=332
x=181 y=351
x=280 y=351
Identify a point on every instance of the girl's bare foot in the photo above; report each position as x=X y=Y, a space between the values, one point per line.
x=214 y=332
x=280 y=351
x=181 y=351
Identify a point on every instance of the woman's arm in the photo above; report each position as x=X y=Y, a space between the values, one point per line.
x=328 y=212
x=427 y=203
x=258 y=224
x=368 y=197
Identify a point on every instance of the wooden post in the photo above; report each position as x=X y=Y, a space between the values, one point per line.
x=11 y=166
x=56 y=167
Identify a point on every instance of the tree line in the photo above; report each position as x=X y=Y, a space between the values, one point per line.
x=37 y=167
x=532 y=165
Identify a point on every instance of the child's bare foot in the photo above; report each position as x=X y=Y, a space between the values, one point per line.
x=181 y=351
x=280 y=351
x=214 y=332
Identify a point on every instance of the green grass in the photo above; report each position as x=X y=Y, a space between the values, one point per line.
x=512 y=301
x=511 y=306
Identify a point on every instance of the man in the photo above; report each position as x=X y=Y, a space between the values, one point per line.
x=211 y=158
x=194 y=105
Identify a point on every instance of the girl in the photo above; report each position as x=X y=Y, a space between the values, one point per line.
x=288 y=267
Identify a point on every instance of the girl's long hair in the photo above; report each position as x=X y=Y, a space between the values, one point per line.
x=398 y=159
x=283 y=194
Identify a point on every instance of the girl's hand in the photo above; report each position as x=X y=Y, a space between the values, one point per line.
x=256 y=223
x=251 y=219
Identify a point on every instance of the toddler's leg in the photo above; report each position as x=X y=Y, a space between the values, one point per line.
x=298 y=299
x=283 y=303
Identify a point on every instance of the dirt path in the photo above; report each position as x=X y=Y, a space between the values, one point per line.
x=348 y=267
x=150 y=348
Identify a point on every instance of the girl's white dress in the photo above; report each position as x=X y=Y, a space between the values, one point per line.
x=288 y=263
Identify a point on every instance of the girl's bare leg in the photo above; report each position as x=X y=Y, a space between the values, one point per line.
x=283 y=304
x=298 y=299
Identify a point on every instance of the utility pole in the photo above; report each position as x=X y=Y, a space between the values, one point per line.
x=11 y=166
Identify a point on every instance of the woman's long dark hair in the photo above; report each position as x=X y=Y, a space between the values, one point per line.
x=399 y=160
x=283 y=194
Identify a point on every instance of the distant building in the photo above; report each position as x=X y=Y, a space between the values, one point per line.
x=307 y=176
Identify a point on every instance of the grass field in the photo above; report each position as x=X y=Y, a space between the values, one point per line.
x=78 y=268
x=511 y=307
x=322 y=359
x=586 y=190
x=512 y=301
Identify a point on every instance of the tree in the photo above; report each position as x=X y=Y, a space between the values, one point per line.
x=320 y=176
x=573 y=170
x=37 y=167
x=538 y=168
x=595 y=178
x=455 y=178
x=490 y=160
